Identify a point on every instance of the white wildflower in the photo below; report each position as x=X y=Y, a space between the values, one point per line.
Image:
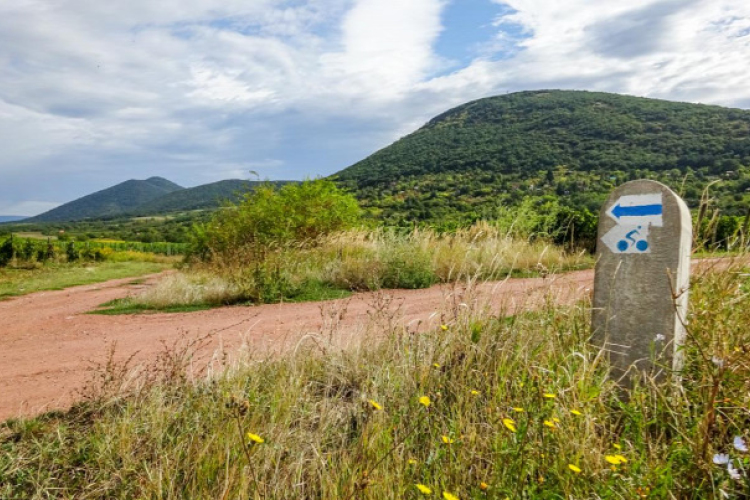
x=740 y=444
x=721 y=459
x=733 y=472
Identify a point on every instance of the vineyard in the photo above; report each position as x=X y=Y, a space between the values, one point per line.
x=14 y=249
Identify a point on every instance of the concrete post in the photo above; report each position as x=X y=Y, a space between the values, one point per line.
x=641 y=281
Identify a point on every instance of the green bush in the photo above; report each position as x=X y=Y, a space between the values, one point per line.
x=269 y=218
x=408 y=268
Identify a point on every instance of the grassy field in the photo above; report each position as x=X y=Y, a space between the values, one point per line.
x=18 y=281
x=358 y=260
x=515 y=405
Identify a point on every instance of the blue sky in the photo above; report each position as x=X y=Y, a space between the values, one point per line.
x=95 y=93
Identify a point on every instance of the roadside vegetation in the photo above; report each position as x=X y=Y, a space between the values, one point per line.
x=308 y=241
x=513 y=404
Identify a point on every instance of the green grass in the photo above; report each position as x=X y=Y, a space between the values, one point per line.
x=15 y=282
x=310 y=291
x=128 y=306
x=176 y=434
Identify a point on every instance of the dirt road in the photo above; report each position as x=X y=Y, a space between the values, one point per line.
x=48 y=344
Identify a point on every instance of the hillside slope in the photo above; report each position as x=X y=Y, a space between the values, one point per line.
x=568 y=145
x=206 y=196
x=110 y=202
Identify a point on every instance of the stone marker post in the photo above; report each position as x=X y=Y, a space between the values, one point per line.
x=643 y=256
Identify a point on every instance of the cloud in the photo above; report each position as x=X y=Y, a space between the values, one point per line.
x=93 y=93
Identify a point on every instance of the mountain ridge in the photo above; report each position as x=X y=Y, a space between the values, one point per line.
x=570 y=146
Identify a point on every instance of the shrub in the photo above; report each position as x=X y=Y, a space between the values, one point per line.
x=270 y=218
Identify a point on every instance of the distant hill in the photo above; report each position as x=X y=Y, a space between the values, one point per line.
x=11 y=218
x=110 y=202
x=569 y=146
x=206 y=196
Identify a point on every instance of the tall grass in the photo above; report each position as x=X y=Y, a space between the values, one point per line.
x=364 y=260
x=515 y=405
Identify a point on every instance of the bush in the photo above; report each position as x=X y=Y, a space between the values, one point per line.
x=270 y=218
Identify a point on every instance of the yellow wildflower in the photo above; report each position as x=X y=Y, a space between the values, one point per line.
x=449 y=496
x=615 y=459
x=483 y=486
x=436 y=365
x=510 y=424
x=576 y=413
x=550 y=424
x=423 y=489
x=447 y=440
x=556 y=420
x=617 y=446
x=574 y=468
x=549 y=395
x=375 y=405
x=412 y=461
x=444 y=327
x=518 y=410
x=474 y=392
x=255 y=438
x=425 y=401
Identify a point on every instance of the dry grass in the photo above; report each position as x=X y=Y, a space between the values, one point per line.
x=363 y=260
x=516 y=399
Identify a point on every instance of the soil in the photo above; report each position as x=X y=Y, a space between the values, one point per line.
x=51 y=349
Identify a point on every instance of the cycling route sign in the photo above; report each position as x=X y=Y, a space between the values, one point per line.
x=641 y=281
x=634 y=216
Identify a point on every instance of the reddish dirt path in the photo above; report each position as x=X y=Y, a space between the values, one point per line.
x=48 y=343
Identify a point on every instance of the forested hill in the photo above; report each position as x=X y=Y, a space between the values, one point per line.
x=206 y=196
x=110 y=202
x=570 y=145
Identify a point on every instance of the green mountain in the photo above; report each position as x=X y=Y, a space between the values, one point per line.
x=110 y=202
x=206 y=196
x=569 y=146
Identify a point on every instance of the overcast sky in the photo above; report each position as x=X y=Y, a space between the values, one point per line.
x=94 y=92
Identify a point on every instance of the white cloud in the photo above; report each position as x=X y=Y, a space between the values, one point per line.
x=198 y=90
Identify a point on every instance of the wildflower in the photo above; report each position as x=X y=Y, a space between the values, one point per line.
x=255 y=438
x=423 y=489
x=617 y=446
x=549 y=395
x=550 y=424
x=615 y=459
x=425 y=401
x=733 y=472
x=483 y=486
x=375 y=405
x=510 y=424
x=444 y=327
x=447 y=440
x=412 y=461
x=721 y=459
x=576 y=413
x=474 y=392
x=518 y=410
x=716 y=360
x=574 y=468
x=436 y=365
x=556 y=420
x=449 y=496
x=740 y=444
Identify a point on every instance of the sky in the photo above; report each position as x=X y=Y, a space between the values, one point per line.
x=93 y=93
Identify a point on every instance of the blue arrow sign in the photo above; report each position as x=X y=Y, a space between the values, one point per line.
x=637 y=211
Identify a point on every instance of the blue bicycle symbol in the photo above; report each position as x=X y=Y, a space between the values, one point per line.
x=630 y=240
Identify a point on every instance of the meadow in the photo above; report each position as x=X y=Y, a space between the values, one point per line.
x=515 y=404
